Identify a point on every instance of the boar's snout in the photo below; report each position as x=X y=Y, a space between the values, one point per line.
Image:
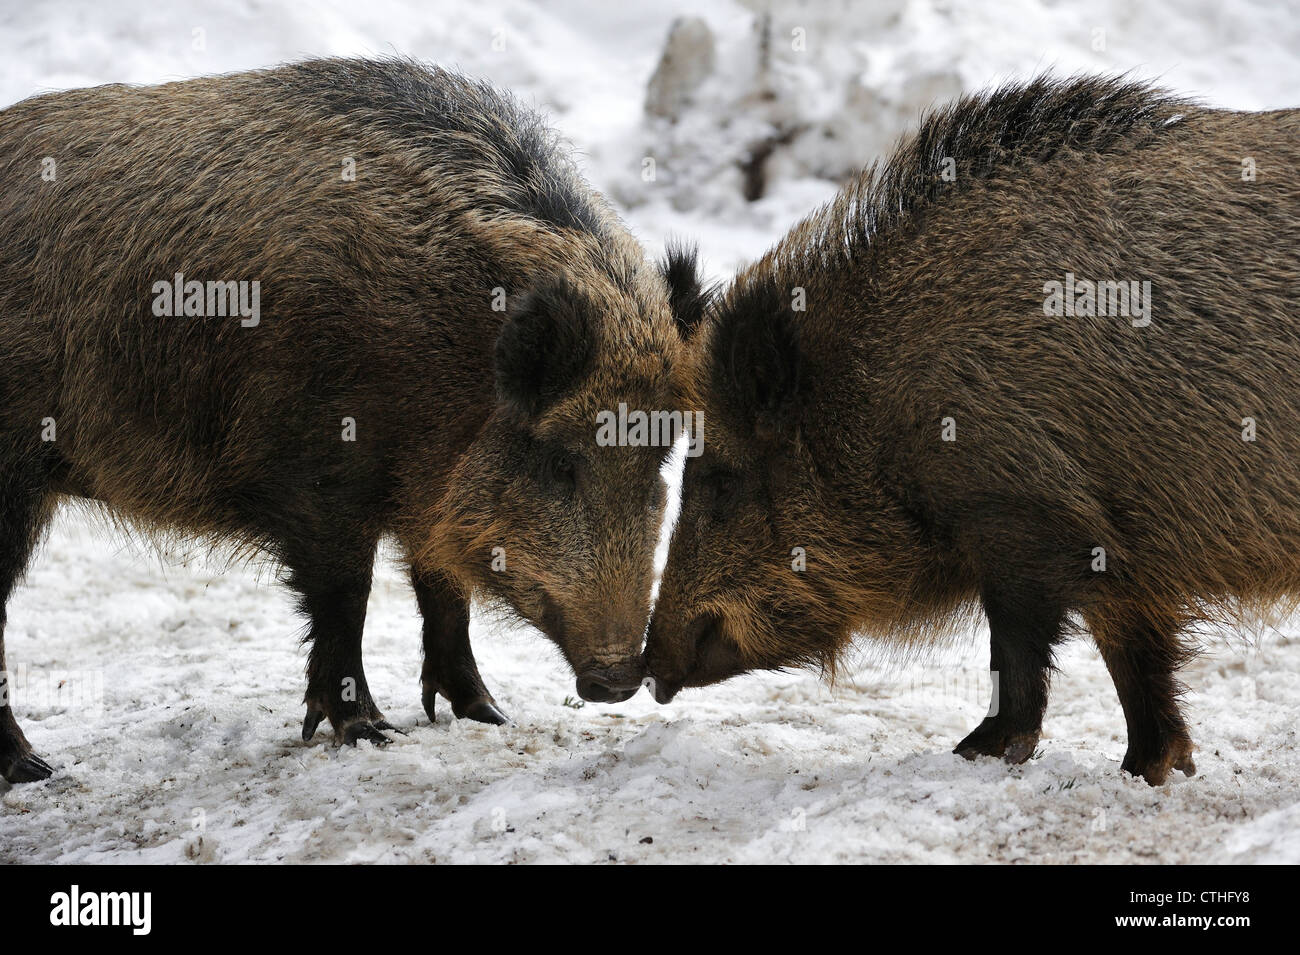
x=697 y=654
x=661 y=689
x=606 y=655
x=611 y=684
x=671 y=653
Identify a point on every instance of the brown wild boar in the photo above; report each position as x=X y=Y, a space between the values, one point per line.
x=1043 y=361
x=295 y=311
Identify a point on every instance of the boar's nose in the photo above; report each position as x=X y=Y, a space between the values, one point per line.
x=662 y=690
x=611 y=684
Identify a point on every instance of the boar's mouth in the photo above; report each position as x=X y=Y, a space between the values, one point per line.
x=662 y=690
x=703 y=635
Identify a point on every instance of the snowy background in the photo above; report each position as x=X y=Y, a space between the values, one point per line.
x=167 y=692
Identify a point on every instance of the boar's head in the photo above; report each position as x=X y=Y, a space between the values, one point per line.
x=545 y=518
x=784 y=544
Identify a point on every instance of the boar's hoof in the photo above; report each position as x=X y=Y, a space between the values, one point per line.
x=483 y=711
x=26 y=768
x=1020 y=747
x=350 y=730
x=1155 y=769
x=310 y=722
x=991 y=739
x=370 y=730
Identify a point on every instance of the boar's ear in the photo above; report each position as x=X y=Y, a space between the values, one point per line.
x=688 y=297
x=543 y=348
x=759 y=361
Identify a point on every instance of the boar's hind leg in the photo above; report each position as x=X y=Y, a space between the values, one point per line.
x=1024 y=624
x=336 y=683
x=24 y=508
x=1142 y=658
x=449 y=666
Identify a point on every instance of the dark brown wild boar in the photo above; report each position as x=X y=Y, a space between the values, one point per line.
x=1046 y=363
x=298 y=310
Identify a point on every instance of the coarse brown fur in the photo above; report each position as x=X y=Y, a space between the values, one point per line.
x=472 y=425
x=925 y=314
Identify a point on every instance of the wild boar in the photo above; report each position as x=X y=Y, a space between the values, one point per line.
x=299 y=310
x=1043 y=362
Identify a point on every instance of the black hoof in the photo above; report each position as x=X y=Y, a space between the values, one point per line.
x=310 y=723
x=992 y=739
x=1020 y=748
x=365 y=729
x=481 y=709
x=385 y=725
x=28 y=769
x=1175 y=754
x=485 y=711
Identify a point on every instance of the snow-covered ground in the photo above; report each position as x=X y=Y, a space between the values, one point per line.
x=194 y=753
x=175 y=729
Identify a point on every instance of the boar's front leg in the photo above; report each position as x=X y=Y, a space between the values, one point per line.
x=24 y=509
x=1024 y=625
x=18 y=764
x=336 y=683
x=449 y=666
x=1142 y=657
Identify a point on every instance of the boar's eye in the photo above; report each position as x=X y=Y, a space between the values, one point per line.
x=558 y=469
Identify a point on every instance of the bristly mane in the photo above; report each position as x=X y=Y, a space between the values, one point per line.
x=983 y=134
x=464 y=126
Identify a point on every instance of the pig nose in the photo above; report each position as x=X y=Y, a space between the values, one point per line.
x=610 y=685
x=662 y=690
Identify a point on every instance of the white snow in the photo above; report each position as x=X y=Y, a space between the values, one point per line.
x=175 y=730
